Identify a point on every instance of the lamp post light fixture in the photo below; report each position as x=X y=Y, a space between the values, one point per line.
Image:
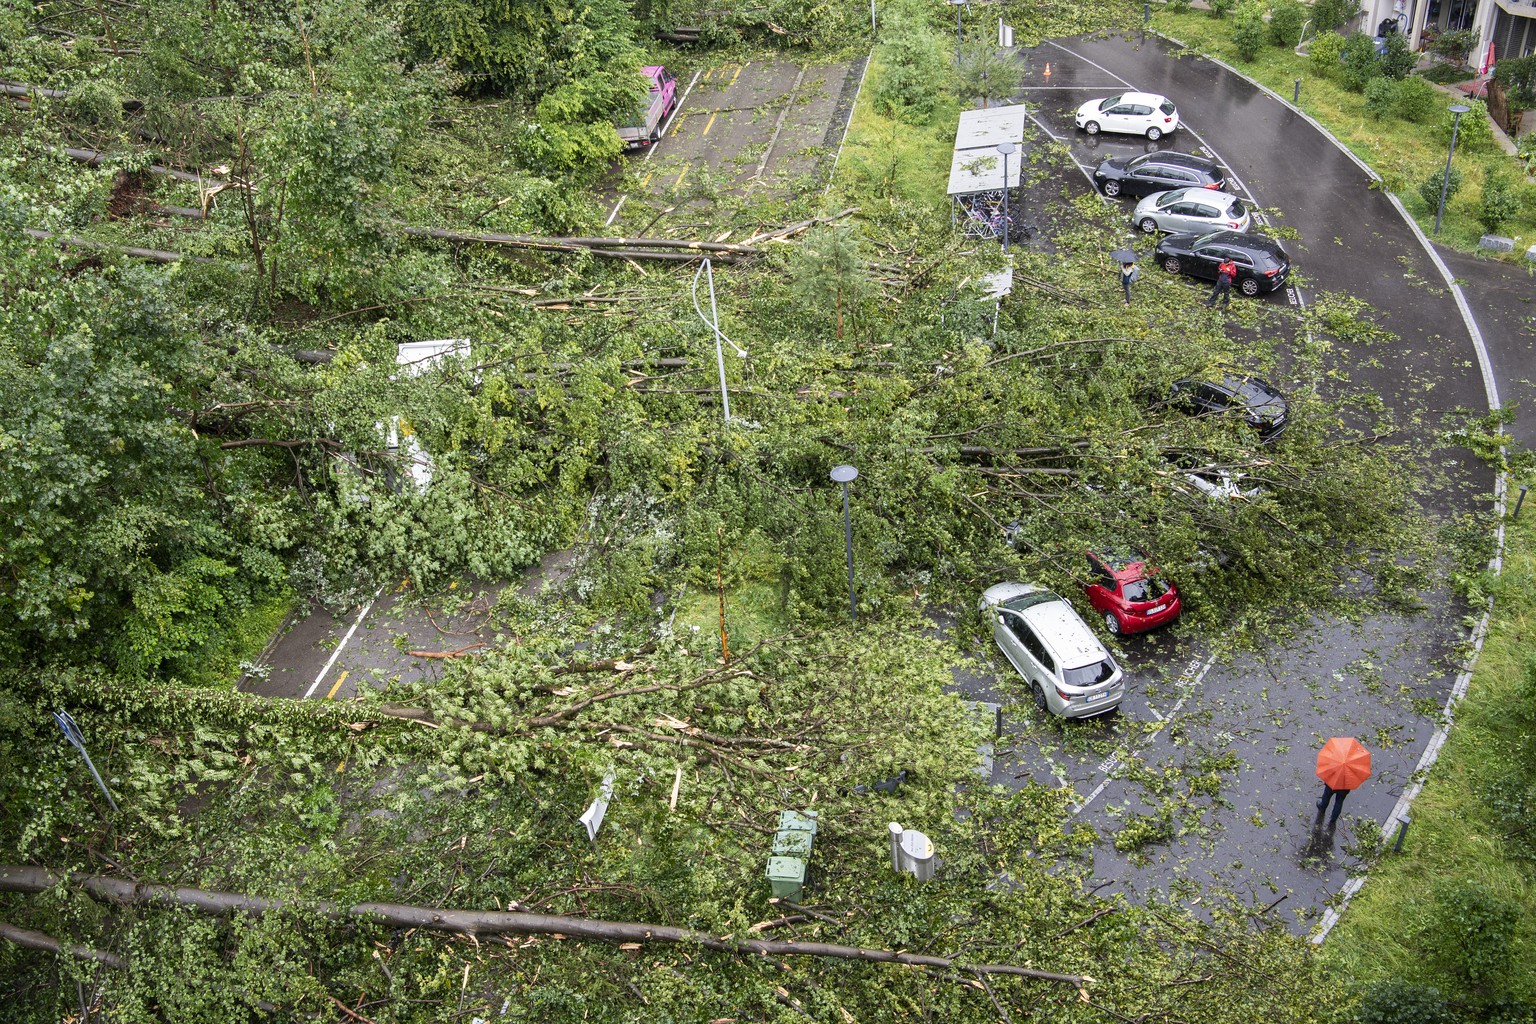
x=959 y=31
x=1445 y=179
x=1006 y=149
x=72 y=734
x=713 y=320
x=844 y=475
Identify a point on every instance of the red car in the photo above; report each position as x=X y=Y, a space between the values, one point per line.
x=1129 y=593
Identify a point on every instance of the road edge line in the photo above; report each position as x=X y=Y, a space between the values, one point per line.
x=853 y=109
x=1437 y=739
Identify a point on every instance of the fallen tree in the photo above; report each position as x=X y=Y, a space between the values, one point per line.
x=26 y=879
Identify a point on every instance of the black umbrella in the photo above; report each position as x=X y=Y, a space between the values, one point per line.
x=1123 y=256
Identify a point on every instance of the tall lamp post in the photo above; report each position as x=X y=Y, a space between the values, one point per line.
x=1005 y=148
x=1445 y=179
x=713 y=320
x=959 y=31
x=844 y=475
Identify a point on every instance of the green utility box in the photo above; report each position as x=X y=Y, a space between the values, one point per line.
x=786 y=875
x=797 y=821
x=792 y=843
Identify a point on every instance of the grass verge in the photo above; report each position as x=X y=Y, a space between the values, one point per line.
x=1397 y=927
x=1404 y=153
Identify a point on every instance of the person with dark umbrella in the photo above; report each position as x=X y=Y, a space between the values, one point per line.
x=1342 y=764
x=1128 y=272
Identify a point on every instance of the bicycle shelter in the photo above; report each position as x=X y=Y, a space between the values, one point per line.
x=976 y=171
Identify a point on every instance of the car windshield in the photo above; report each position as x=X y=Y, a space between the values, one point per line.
x=1112 y=101
x=1029 y=600
x=1167 y=199
x=1087 y=675
x=1205 y=240
x=1145 y=590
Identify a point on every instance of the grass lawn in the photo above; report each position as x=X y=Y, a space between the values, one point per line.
x=1404 y=153
x=1389 y=929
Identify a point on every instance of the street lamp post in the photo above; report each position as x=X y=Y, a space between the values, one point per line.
x=959 y=31
x=1005 y=148
x=1445 y=179
x=713 y=320
x=843 y=475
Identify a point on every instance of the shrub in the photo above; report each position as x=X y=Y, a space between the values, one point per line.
x=1248 y=32
x=1178 y=6
x=1394 y=1001
x=1454 y=46
x=1324 y=54
x=1358 y=63
x=1429 y=188
x=1328 y=15
x=1285 y=20
x=917 y=59
x=1221 y=8
x=1417 y=100
x=1470 y=930
x=1516 y=74
x=1399 y=60
x=1381 y=97
x=1474 y=131
x=1498 y=205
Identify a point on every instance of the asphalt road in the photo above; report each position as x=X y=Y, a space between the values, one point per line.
x=1249 y=727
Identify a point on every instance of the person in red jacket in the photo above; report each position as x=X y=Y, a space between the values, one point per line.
x=1226 y=272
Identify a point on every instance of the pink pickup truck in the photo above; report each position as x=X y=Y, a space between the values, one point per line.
x=646 y=128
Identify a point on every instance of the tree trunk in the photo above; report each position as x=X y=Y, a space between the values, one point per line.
x=21 y=878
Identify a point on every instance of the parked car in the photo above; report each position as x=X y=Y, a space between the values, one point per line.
x=1157 y=172
x=1130 y=113
x=661 y=99
x=1262 y=265
x=1187 y=210
x=1067 y=668
x=1125 y=589
x=1264 y=408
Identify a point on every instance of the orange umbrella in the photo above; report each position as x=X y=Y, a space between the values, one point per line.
x=1343 y=763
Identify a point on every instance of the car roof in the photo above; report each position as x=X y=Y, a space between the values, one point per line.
x=1245 y=240
x=1189 y=160
x=1241 y=384
x=1064 y=631
x=1142 y=97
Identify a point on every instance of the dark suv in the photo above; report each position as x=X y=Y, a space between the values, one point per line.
x=1261 y=262
x=1157 y=172
x=1264 y=408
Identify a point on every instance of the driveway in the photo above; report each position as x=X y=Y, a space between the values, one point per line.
x=1206 y=773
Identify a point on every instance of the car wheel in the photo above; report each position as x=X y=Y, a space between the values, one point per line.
x=1112 y=623
x=1154 y=133
x=1148 y=225
x=1111 y=188
x=1092 y=127
x=1040 y=701
x=1172 y=264
x=1248 y=286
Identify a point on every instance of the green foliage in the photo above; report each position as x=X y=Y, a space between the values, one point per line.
x=1474 y=131
x=1323 y=54
x=913 y=67
x=1399 y=59
x=1454 y=46
x=1330 y=15
x=1285 y=20
x=1221 y=8
x=1429 y=188
x=1517 y=76
x=1358 y=63
x=984 y=72
x=1381 y=97
x=1417 y=100
x=1471 y=929
x=1178 y=6
x=1395 y=1001
x=1498 y=203
x=1248 y=30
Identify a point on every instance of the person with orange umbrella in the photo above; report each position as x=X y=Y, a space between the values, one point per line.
x=1342 y=764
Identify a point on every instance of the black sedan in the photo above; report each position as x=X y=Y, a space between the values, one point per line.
x=1157 y=172
x=1261 y=263
x=1262 y=407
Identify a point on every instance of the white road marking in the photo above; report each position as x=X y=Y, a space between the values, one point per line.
x=616 y=207
x=340 y=647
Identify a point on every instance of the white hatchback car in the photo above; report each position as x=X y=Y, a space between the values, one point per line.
x=1067 y=668
x=1130 y=113
x=1191 y=211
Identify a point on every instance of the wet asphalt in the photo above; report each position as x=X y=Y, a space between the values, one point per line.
x=1206 y=772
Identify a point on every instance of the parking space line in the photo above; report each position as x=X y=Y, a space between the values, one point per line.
x=339 y=680
x=616 y=207
x=710 y=123
x=683 y=174
x=341 y=646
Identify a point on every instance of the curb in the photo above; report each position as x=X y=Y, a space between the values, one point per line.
x=1501 y=485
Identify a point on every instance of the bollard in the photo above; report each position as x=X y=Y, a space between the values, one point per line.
x=1146 y=12
x=1296 y=95
x=997 y=727
x=1402 y=833
x=1520 y=500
